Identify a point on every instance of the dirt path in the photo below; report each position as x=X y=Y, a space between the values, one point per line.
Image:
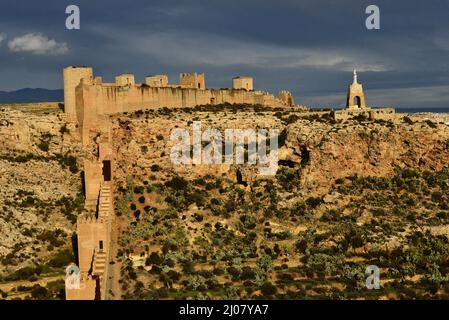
x=8 y=286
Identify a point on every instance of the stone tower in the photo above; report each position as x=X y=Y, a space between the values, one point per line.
x=192 y=80
x=356 y=97
x=125 y=79
x=286 y=97
x=157 y=81
x=242 y=82
x=72 y=78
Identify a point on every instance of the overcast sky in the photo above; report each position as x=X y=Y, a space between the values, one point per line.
x=306 y=46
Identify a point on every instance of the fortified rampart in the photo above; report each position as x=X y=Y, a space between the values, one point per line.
x=87 y=98
x=94 y=228
x=109 y=99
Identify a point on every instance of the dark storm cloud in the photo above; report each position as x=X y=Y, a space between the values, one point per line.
x=306 y=46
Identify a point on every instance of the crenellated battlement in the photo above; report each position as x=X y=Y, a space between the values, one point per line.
x=88 y=97
x=91 y=219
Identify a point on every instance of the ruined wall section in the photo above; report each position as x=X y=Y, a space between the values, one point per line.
x=286 y=97
x=125 y=79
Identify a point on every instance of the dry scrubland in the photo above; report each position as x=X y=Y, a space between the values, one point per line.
x=346 y=195
x=40 y=197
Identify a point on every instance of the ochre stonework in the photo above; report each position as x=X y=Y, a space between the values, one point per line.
x=356 y=105
x=89 y=102
x=72 y=78
x=94 y=228
x=192 y=80
x=356 y=97
x=89 y=98
x=242 y=82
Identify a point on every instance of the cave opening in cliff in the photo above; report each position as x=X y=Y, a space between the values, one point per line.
x=305 y=156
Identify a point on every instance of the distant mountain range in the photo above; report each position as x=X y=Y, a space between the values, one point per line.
x=31 y=95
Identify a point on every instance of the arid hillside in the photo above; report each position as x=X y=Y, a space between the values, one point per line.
x=346 y=195
x=40 y=197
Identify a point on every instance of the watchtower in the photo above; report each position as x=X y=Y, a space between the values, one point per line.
x=157 y=81
x=192 y=80
x=72 y=78
x=242 y=82
x=125 y=79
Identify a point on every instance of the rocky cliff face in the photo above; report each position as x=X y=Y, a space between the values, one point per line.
x=332 y=151
x=321 y=149
x=40 y=186
x=346 y=195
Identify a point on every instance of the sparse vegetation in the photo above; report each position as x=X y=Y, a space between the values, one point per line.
x=212 y=233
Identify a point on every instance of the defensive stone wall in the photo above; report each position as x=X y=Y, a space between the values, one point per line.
x=89 y=98
x=94 y=228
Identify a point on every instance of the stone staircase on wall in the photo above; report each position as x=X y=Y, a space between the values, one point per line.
x=104 y=205
x=99 y=264
x=101 y=258
x=94 y=284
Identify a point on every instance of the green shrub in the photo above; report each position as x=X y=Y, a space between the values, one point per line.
x=154 y=258
x=44 y=145
x=62 y=259
x=177 y=183
x=39 y=293
x=408 y=120
x=288 y=178
x=322 y=264
x=53 y=237
x=431 y=124
x=67 y=161
x=313 y=202
x=268 y=289
x=64 y=129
